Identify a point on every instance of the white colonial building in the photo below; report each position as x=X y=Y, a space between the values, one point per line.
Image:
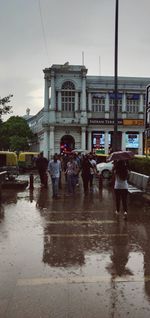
x=78 y=111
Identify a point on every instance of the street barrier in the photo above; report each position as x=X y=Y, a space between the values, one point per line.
x=138 y=183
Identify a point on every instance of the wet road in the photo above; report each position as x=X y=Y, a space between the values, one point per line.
x=71 y=258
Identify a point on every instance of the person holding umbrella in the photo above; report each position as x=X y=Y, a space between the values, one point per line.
x=121 y=185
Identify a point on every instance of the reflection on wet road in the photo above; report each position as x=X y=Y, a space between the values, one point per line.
x=70 y=257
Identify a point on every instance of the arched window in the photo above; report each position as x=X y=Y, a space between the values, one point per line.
x=68 y=97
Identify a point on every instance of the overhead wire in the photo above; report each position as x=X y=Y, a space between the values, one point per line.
x=43 y=31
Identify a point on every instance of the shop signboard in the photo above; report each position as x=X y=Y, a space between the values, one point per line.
x=99 y=152
x=133 y=122
x=103 y=121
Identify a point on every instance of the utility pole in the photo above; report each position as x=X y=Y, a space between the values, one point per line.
x=147 y=122
x=115 y=133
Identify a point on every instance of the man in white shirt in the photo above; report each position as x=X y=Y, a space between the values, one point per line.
x=54 y=168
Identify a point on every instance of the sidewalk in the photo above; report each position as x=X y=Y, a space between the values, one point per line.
x=71 y=258
x=146 y=196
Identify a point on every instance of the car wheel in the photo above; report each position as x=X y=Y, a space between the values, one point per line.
x=106 y=174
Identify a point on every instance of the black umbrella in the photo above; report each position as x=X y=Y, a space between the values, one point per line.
x=120 y=155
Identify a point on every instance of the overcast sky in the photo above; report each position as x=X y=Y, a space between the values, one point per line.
x=34 y=34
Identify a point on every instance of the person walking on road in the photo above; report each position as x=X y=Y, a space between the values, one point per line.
x=86 y=167
x=121 y=186
x=72 y=171
x=93 y=170
x=54 y=169
x=41 y=164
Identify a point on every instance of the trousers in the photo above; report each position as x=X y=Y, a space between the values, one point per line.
x=121 y=196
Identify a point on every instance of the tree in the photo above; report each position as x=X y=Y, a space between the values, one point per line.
x=4 y=108
x=17 y=143
x=15 y=134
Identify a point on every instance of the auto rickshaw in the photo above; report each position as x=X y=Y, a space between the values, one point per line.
x=9 y=163
x=27 y=160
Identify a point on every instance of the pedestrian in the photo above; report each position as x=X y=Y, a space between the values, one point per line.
x=41 y=164
x=54 y=169
x=93 y=170
x=78 y=166
x=121 y=186
x=64 y=165
x=85 y=172
x=72 y=171
x=59 y=157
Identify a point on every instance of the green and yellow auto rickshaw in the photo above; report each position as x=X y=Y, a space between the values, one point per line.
x=9 y=163
x=27 y=160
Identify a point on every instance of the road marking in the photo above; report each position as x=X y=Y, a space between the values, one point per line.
x=88 y=235
x=81 y=280
x=76 y=212
x=74 y=222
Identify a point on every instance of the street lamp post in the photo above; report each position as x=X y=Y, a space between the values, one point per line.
x=115 y=133
x=147 y=120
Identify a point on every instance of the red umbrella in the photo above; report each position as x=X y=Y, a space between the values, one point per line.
x=120 y=155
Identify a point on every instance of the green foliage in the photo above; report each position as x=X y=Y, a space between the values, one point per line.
x=17 y=126
x=17 y=142
x=15 y=134
x=140 y=165
x=5 y=109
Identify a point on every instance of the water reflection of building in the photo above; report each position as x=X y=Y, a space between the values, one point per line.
x=79 y=111
x=62 y=251
x=68 y=232
x=58 y=250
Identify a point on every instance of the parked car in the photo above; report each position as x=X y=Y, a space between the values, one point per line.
x=105 y=169
x=101 y=158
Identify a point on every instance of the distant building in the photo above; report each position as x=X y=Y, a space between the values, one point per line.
x=79 y=110
x=27 y=116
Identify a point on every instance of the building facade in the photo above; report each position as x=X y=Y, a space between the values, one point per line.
x=78 y=112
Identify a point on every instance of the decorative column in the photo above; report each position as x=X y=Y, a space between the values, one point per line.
x=59 y=101
x=76 y=101
x=89 y=141
x=106 y=142
x=53 y=98
x=52 y=106
x=83 y=103
x=140 y=149
x=83 y=118
x=46 y=101
x=141 y=107
x=89 y=102
x=83 y=130
x=124 y=106
x=107 y=106
x=123 y=142
x=51 y=142
x=46 y=143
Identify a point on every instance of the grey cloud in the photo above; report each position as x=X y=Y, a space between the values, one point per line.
x=70 y=27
